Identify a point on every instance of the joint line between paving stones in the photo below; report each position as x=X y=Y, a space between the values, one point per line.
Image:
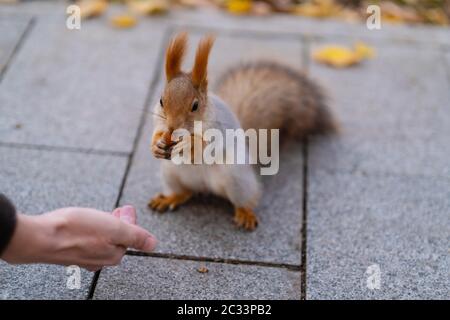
x=306 y=45
x=292 y=267
x=153 y=85
x=18 y=46
x=42 y=147
x=304 y=236
x=243 y=33
x=447 y=65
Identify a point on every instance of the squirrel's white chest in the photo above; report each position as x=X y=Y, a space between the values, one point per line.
x=197 y=178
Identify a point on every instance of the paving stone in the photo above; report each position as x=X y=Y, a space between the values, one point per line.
x=448 y=62
x=157 y=278
x=396 y=222
x=204 y=226
x=39 y=181
x=393 y=113
x=276 y=24
x=79 y=88
x=230 y=49
x=12 y=31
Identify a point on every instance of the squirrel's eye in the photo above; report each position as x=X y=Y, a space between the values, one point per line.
x=160 y=102
x=195 y=106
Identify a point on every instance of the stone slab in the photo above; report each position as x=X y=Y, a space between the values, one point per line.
x=396 y=222
x=230 y=49
x=12 y=31
x=165 y=279
x=204 y=226
x=39 y=181
x=79 y=88
x=393 y=113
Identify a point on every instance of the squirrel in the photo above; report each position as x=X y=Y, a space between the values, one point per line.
x=257 y=95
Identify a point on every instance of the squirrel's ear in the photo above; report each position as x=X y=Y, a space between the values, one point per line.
x=199 y=72
x=175 y=54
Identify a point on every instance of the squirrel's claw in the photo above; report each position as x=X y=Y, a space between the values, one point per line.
x=160 y=152
x=245 y=218
x=162 y=203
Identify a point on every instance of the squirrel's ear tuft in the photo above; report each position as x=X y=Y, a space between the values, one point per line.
x=175 y=54
x=199 y=72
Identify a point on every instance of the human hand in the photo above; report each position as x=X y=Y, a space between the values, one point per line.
x=85 y=237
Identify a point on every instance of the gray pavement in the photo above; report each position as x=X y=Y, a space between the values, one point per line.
x=74 y=131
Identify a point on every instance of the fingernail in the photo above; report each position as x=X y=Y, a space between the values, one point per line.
x=150 y=244
x=116 y=213
x=127 y=214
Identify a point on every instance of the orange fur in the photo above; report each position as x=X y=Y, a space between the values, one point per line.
x=156 y=136
x=199 y=71
x=163 y=203
x=245 y=218
x=175 y=54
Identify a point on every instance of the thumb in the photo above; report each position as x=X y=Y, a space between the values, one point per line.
x=132 y=236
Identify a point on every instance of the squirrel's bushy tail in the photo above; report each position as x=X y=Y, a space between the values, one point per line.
x=268 y=95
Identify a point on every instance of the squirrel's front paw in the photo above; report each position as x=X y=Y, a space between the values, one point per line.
x=161 y=149
x=245 y=218
x=161 y=202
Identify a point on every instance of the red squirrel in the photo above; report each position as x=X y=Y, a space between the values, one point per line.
x=258 y=95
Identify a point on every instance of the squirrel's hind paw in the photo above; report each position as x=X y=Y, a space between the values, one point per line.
x=245 y=218
x=162 y=203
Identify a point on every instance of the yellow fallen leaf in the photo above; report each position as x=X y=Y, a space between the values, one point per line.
x=196 y=3
x=318 y=9
x=364 y=51
x=91 y=8
x=123 y=21
x=340 y=56
x=260 y=8
x=239 y=6
x=349 y=15
x=394 y=13
x=436 y=16
x=336 y=56
x=146 y=7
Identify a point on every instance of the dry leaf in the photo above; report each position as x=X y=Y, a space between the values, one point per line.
x=92 y=8
x=340 y=56
x=260 y=8
x=239 y=6
x=394 y=13
x=349 y=15
x=197 y=3
x=203 y=270
x=318 y=9
x=146 y=7
x=364 y=51
x=123 y=21
x=281 y=5
x=436 y=16
x=336 y=56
